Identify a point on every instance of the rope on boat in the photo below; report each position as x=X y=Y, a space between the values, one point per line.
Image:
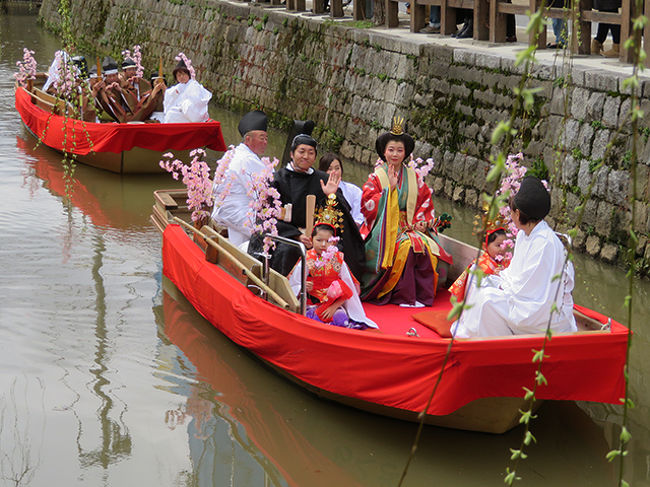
x=271 y=293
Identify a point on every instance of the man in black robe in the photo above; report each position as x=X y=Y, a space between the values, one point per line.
x=294 y=182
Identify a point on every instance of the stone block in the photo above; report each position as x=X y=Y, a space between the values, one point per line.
x=569 y=171
x=585 y=138
x=590 y=211
x=617 y=187
x=641 y=214
x=595 y=106
x=599 y=145
x=557 y=102
x=579 y=240
x=604 y=219
x=624 y=112
x=438 y=185
x=601 y=80
x=458 y=195
x=449 y=189
x=609 y=252
x=486 y=60
x=569 y=134
x=579 y=102
x=471 y=198
x=610 y=111
x=543 y=71
x=464 y=56
x=600 y=183
x=482 y=168
x=458 y=168
x=592 y=245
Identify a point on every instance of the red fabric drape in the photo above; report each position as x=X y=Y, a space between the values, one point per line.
x=394 y=370
x=115 y=137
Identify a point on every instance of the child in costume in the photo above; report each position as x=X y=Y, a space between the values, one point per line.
x=329 y=281
x=492 y=261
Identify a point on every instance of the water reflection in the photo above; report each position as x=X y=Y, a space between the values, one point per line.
x=114 y=441
x=312 y=442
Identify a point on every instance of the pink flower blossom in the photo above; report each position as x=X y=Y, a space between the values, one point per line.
x=26 y=67
x=196 y=178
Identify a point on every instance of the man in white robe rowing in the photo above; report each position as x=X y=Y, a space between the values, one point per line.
x=234 y=211
x=520 y=300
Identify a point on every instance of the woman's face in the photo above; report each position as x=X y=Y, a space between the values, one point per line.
x=335 y=168
x=395 y=153
x=182 y=76
x=303 y=157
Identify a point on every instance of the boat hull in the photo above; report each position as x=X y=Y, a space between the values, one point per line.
x=131 y=148
x=481 y=384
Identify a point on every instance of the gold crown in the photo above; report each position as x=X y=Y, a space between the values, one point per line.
x=398 y=126
x=329 y=215
x=485 y=224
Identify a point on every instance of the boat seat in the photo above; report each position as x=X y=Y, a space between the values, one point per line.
x=277 y=282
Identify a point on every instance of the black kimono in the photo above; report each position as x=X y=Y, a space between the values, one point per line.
x=294 y=188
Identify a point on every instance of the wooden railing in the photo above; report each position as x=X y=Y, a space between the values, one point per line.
x=490 y=20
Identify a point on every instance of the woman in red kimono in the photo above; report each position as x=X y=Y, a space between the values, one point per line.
x=402 y=250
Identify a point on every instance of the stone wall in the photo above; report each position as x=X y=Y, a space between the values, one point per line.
x=353 y=81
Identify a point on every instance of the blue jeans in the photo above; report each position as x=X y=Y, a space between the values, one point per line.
x=559 y=29
x=434 y=16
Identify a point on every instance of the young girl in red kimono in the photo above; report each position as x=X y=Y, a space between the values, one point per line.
x=491 y=261
x=329 y=281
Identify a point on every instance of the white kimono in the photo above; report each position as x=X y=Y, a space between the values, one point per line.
x=352 y=194
x=186 y=102
x=352 y=306
x=519 y=300
x=234 y=213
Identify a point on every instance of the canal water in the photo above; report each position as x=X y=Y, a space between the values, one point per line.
x=109 y=377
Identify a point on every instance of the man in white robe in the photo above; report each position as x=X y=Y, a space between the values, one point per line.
x=520 y=299
x=234 y=211
x=186 y=101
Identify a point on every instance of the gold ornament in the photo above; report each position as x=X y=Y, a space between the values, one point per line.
x=398 y=126
x=329 y=215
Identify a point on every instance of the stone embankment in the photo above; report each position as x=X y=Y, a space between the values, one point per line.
x=352 y=82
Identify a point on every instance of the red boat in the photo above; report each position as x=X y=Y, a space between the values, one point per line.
x=393 y=372
x=117 y=147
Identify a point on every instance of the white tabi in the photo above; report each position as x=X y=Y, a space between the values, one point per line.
x=352 y=306
x=519 y=300
x=235 y=213
x=186 y=102
x=352 y=194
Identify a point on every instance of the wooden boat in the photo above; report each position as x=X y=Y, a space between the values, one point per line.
x=394 y=372
x=122 y=148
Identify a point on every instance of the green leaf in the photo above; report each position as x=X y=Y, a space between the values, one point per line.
x=538 y=355
x=510 y=477
x=625 y=435
x=623 y=482
x=528 y=438
x=540 y=379
x=515 y=454
x=526 y=416
x=612 y=455
x=529 y=394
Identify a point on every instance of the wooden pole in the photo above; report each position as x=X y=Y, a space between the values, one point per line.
x=309 y=214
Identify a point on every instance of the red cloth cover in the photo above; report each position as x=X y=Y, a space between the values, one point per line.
x=115 y=137
x=394 y=370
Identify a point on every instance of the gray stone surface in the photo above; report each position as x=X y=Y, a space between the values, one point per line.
x=353 y=81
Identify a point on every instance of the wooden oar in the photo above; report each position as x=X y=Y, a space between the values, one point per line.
x=309 y=214
x=99 y=68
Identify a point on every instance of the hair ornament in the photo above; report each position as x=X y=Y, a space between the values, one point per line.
x=330 y=215
x=398 y=126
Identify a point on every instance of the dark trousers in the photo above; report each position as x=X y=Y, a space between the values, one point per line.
x=603 y=29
